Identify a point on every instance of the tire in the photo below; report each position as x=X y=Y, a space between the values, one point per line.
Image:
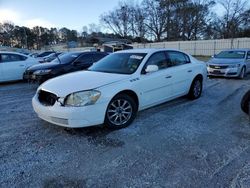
x=120 y=112
x=242 y=73
x=195 y=89
x=245 y=102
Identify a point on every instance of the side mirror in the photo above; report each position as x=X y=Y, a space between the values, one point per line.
x=151 y=68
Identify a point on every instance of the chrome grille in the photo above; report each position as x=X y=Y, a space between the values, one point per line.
x=218 y=66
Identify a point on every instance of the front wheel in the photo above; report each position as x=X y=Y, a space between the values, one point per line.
x=195 y=89
x=242 y=73
x=121 y=111
x=245 y=102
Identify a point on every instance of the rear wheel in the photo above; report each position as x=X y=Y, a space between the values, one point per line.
x=121 y=111
x=242 y=73
x=195 y=89
x=245 y=102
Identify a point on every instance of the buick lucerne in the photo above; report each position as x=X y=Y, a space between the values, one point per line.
x=115 y=88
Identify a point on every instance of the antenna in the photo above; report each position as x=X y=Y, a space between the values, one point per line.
x=56 y=55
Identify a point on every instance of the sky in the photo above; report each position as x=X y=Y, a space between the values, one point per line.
x=73 y=14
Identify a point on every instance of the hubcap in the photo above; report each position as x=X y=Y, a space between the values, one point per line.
x=197 y=88
x=119 y=112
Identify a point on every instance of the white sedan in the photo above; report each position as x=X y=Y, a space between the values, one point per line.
x=13 y=65
x=116 y=87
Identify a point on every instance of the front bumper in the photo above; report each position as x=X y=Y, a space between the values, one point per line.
x=228 y=72
x=30 y=77
x=73 y=117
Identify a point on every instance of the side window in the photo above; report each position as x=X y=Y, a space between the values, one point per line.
x=85 y=58
x=98 y=56
x=158 y=59
x=5 y=58
x=177 y=58
x=248 y=55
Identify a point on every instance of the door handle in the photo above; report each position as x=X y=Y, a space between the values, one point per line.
x=21 y=65
x=168 y=76
x=189 y=70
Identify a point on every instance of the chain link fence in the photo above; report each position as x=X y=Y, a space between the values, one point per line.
x=200 y=47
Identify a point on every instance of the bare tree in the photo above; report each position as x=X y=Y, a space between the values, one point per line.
x=118 y=20
x=232 y=18
x=156 y=18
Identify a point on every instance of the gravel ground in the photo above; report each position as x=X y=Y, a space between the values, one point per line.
x=182 y=143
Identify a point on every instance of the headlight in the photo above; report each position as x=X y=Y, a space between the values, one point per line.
x=42 y=72
x=234 y=66
x=82 y=98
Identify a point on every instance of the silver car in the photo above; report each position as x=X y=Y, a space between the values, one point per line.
x=230 y=63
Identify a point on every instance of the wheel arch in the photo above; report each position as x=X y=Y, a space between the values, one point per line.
x=130 y=93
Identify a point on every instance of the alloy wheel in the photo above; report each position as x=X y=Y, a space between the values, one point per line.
x=119 y=111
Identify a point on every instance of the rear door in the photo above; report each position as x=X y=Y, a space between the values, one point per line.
x=13 y=66
x=182 y=72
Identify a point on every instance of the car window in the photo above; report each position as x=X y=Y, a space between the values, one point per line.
x=248 y=55
x=85 y=58
x=177 y=58
x=98 y=56
x=158 y=59
x=12 y=58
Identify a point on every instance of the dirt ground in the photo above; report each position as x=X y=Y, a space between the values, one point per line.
x=182 y=143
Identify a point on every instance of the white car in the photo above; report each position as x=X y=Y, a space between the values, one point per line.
x=117 y=86
x=13 y=65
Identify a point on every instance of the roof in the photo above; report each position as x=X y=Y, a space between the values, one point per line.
x=9 y=52
x=146 y=50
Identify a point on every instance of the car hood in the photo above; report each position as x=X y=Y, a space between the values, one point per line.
x=42 y=66
x=80 y=81
x=225 y=61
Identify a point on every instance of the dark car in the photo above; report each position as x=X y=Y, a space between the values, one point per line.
x=69 y=62
x=52 y=56
x=245 y=102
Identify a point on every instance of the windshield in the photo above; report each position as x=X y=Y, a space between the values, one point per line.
x=121 y=63
x=66 y=58
x=231 y=54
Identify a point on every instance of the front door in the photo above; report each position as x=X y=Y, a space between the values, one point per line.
x=155 y=87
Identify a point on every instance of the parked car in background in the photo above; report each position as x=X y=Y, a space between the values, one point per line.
x=68 y=62
x=34 y=54
x=52 y=56
x=41 y=56
x=230 y=63
x=13 y=65
x=245 y=102
x=119 y=85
